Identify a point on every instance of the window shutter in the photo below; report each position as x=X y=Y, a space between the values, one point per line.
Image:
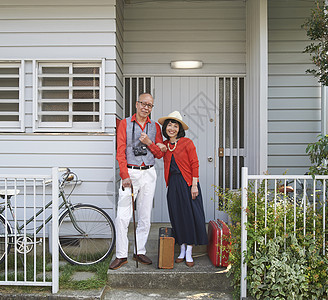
x=10 y=84
x=69 y=96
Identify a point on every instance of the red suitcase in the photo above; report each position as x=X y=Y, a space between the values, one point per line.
x=219 y=244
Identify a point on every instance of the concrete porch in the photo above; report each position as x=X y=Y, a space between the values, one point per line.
x=202 y=277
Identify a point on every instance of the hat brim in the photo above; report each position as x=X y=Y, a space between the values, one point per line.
x=184 y=125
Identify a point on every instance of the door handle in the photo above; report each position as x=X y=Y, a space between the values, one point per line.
x=210 y=158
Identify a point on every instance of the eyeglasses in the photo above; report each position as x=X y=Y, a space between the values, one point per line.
x=144 y=105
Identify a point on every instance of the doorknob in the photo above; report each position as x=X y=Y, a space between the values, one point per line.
x=210 y=158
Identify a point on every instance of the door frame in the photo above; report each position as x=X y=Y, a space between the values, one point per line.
x=216 y=77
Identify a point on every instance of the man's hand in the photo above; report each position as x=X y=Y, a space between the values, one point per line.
x=162 y=147
x=145 y=139
x=126 y=182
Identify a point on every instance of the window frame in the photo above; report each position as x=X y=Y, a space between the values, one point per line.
x=15 y=126
x=70 y=126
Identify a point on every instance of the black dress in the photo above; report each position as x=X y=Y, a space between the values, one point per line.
x=186 y=215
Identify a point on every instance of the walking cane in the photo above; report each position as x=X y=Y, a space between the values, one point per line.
x=134 y=225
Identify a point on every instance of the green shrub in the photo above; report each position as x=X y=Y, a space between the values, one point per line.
x=318 y=155
x=278 y=270
x=283 y=263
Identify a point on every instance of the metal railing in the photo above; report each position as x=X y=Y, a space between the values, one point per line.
x=27 y=223
x=302 y=195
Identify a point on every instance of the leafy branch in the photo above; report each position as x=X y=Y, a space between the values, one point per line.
x=318 y=154
x=316 y=27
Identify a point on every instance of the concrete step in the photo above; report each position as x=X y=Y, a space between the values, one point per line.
x=149 y=294
x=202 y=277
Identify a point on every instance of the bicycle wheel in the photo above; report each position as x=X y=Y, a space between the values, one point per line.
x=3 y=238
x=86 y=238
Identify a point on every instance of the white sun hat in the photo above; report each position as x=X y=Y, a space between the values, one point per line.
x=174 y=116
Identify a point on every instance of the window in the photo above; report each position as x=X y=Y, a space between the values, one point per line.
x=133 y=87
x=10 y=96
x=69 y=97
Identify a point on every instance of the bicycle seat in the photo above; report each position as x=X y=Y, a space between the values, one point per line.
x=9 y=193
x=289 y=189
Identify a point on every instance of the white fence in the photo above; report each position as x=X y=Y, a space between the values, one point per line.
x=300 y=192
x=29 y=211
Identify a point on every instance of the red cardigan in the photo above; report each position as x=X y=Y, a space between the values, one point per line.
x=186 y=158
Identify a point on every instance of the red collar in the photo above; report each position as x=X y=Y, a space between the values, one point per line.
x=134 y=118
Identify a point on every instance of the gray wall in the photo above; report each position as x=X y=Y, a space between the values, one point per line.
x=119 y=57
x=72 y=29
x=294 y=97
x=120 y=79
x=155 y=33
x=67 y=30
x=91 y=157
x=147 y=36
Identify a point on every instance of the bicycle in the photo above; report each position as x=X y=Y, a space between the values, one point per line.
x=86 y=232
x=303 y=190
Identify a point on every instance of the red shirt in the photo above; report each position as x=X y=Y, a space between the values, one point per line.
x=121 y=145
x=186 y=158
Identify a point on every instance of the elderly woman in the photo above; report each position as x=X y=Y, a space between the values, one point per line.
x=184 y=196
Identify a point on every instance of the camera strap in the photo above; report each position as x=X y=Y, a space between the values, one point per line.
x=133 y=130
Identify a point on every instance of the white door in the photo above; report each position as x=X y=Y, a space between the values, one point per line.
x=194 y=98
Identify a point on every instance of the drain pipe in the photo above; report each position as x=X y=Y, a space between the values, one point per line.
x=323 y=109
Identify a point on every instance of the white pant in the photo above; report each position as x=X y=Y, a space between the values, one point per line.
x=144 y=183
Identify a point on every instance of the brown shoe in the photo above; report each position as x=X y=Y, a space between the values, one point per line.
x=117 y=263
x=190 y=264
x=143 y=259
x=179 y=260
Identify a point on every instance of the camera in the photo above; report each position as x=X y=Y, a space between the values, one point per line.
x=140 y=150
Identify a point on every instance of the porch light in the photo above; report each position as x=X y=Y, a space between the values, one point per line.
x=186 y=64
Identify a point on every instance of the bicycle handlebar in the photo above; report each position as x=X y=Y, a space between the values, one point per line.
x=67 y=176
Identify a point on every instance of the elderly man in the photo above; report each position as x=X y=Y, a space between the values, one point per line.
x=137 y=137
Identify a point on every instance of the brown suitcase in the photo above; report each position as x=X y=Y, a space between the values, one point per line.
x=166 y=248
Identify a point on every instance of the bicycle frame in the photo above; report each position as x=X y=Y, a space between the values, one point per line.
x=65 y=203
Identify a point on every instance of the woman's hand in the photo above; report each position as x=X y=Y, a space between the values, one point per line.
x=194 y=188
x=162 y=147
x=145 y=139
x=194 y=191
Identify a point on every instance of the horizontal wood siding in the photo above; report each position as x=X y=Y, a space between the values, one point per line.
x=91 y=157
x=294 y=97
x=68 y=30
x=156 y=33
x=48 y=29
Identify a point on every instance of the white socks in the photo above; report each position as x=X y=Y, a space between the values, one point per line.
x=182 y=251
x=186 y=253
x=189 y=254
